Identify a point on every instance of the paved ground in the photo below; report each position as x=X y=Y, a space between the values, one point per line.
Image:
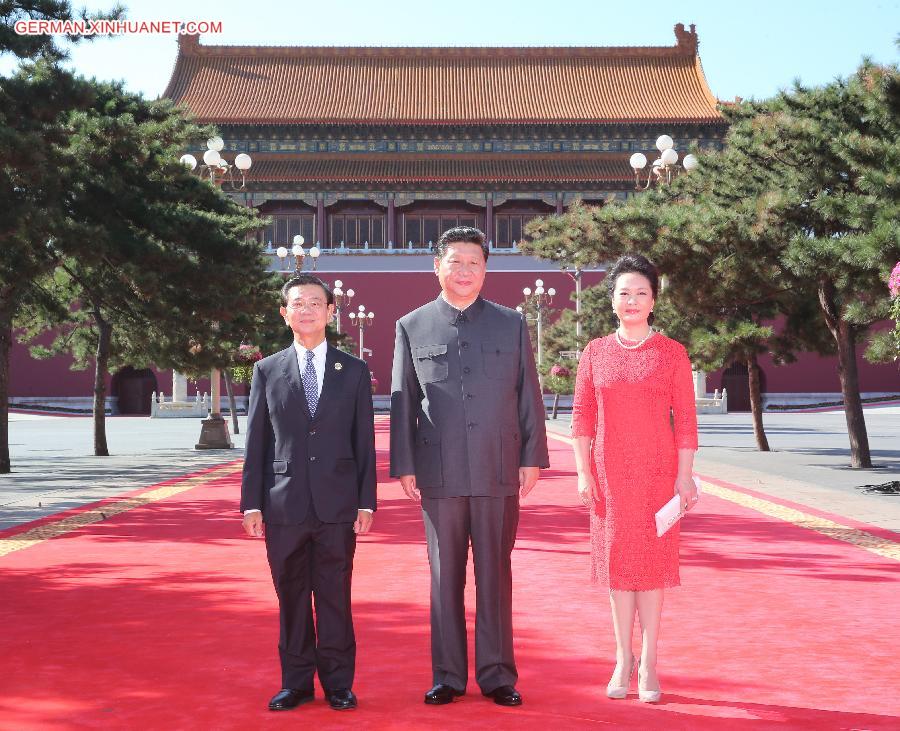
x=53 y=469
x=809 y=464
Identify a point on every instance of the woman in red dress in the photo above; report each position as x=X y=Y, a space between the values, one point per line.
x=634 y=425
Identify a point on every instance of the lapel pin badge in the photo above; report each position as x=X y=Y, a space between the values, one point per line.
x=338 y=366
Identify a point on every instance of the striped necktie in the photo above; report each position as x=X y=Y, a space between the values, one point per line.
x=310 y=384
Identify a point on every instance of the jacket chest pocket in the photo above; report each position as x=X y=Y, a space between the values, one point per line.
x=431 y=363
x=500 y=360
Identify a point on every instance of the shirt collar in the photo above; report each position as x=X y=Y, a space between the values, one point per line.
x=454 y=315
x=318 y=352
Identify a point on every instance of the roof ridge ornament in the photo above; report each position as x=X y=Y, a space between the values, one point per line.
x=687 y=41
x=189 y=45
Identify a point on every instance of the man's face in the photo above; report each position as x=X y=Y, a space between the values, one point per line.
x=307 y=312
x=461 y=270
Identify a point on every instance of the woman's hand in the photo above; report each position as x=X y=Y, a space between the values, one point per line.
x=686 y=488
x=587 y=488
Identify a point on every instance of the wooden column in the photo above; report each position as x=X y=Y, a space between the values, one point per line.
x=320 y=220
x=391 y=223
x=489 y=218
x=559 y=204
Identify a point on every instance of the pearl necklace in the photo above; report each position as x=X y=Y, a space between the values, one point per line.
x=639 y=344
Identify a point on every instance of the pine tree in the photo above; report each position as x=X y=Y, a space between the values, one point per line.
x=836 y=152
x=32 y=100
x=156 y=263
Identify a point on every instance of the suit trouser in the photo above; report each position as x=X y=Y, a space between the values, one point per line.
x=313 y=561
x=490 y=523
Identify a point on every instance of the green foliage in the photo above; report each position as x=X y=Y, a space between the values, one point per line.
x=160 y=254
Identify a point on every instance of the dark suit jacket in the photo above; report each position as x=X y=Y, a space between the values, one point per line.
x=292 y=460
x=466 y=408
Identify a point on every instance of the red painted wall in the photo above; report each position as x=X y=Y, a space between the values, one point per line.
x=813 y=373
x=390 y=295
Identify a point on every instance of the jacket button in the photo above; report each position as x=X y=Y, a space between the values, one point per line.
x=472 y=425
x=465 y=344
x=312 y=433
x=469 y=395
x=312 y=459
x=425 y=441
x=467 y=369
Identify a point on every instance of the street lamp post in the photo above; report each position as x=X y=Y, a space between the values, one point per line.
x=576 y=277
x=342 y=299
x=362 y=320
x=214 y=429
x=299 y=254
x=537 y=300
x=664 y=168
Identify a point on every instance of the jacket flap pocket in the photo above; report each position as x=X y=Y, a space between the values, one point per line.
x=281 y=466
x=430 y=351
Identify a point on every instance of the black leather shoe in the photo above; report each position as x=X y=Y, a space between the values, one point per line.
x=341 y=700
x=286 y=699
x=441 y=695
x=505 y=695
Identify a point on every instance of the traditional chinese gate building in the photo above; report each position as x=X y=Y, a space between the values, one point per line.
x=370 y=153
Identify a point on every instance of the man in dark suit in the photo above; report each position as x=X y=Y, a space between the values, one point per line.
x=467 y=439
x=309 y=475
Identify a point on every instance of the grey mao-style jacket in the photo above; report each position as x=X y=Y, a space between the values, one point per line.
x=466 y=407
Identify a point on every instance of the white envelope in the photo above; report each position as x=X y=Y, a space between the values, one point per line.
x=670 y=513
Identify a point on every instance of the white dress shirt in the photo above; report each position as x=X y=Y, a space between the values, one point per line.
x=319 y=353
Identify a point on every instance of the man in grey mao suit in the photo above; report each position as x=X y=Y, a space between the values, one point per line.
x=467 y=439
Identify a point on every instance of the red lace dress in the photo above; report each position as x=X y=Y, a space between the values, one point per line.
x=624 y=400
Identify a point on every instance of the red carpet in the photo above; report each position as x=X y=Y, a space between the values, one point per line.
x=164 y=617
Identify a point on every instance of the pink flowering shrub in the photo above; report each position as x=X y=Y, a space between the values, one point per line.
x=894 y=287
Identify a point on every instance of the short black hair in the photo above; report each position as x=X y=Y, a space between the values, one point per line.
x=460 y=235
x=301 y=279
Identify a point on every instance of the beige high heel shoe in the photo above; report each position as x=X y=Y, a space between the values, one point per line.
x=647 y=696
x=617 y=692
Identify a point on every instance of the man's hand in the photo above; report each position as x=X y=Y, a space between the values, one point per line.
x=253 y=524
x=408 y=483
x=363 y=522
x=528 y=477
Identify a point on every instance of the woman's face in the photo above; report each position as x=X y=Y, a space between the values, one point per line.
x=632 y=298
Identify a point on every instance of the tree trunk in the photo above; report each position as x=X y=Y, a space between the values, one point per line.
x=6 y=335
x=100 y=372
x=762 y=443
x=853 y=410
x=232 y=406
x=555 y=404
x=843 y=334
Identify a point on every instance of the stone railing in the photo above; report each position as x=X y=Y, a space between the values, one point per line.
x=162 y=409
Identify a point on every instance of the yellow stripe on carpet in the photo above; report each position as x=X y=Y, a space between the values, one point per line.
x=45 y=532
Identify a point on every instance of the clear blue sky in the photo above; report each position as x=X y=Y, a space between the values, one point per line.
x=748 y=49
